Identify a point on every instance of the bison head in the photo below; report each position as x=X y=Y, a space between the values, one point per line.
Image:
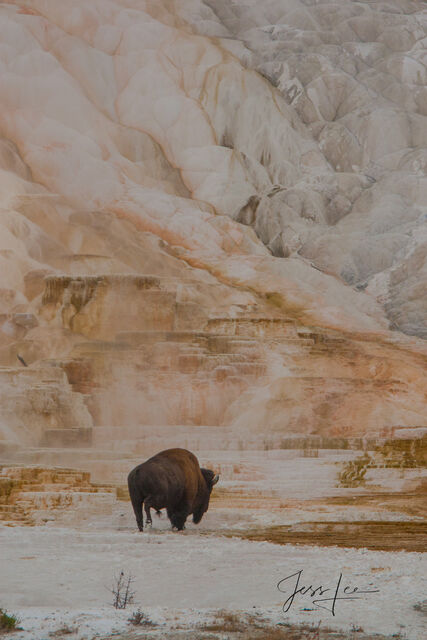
x=204 y=496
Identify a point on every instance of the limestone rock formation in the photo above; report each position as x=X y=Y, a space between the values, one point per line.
x=34 y=495
x=355 y=74
x=212 y=214
x=34 y=401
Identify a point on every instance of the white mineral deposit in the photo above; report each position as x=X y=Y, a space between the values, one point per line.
x=213 y=236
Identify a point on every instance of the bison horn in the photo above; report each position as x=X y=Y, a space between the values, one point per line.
x=215 y=480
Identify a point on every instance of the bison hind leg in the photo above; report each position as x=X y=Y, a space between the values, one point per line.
x=148 y=503
x=137 y=508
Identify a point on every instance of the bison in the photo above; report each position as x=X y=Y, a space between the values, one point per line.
x=171 y=479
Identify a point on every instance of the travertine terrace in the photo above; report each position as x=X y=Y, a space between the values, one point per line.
x=30 y=496
x=213 y=225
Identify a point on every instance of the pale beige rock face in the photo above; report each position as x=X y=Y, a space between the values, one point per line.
x=187 y=192
x=355 y=73
x=35 y=400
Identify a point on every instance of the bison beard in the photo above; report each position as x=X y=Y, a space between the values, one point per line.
x=172 y=479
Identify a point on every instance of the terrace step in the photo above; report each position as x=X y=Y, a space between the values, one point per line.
x=259 y=327
x=135 y=338
x=14 y=515
x=33 y=491
x=78 y=437
x=65 y=457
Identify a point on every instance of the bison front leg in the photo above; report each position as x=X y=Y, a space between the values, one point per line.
x=177 y=519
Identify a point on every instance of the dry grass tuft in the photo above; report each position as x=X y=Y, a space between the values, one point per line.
x=139 y=618
x=353 y=472
x=8 y=622
x=226 y=622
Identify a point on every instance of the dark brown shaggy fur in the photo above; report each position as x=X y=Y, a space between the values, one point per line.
x=171 y=480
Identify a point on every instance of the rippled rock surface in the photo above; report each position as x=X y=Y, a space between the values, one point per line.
x=355 y=73
x=212 y=213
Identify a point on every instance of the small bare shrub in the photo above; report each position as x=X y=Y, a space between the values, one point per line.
x=121 y=590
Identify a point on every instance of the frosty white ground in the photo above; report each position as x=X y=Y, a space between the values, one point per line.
x=59 y=574
x=52 y=576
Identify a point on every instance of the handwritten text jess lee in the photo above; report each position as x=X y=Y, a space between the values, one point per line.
x=349 y=593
